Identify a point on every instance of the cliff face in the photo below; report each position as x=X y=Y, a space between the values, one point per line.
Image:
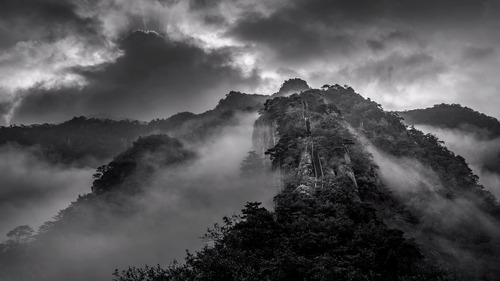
x=264 y=135
x=312 y=162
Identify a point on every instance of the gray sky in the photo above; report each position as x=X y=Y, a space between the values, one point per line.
x=62 y=58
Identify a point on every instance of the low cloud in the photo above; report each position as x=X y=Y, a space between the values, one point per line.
x=179 y=204
x=480 y=153
x=33 y=190
x=451 y=229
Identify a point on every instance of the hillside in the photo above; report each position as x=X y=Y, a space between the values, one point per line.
x=110 y=206
x=359 y=196
x=331 y=219
x=85 y=141
x=453 y=116
x=473 y=135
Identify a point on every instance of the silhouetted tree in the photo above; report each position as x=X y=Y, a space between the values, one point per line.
x=21 y=233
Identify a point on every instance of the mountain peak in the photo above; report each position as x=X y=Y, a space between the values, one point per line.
x=290 y=86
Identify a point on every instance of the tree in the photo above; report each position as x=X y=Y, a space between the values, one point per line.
x=253 y=164
x=21 y=233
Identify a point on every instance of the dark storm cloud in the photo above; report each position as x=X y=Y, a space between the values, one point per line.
x=478 y=53
x=375 y=45
x=297 y=32
x=156 y=77
x=203 y=4
x=444 y=11
x=393 y=37
x=290 y=39
x=400 y=68
x=22 y=20
x=302 y=27
x=322 y=41
x=404 y=54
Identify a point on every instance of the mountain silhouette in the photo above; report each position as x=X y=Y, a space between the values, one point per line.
x=359 y=196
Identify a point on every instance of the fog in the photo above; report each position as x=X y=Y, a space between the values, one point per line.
x=477 y=151
x=451 y=229
x=179 y=204
x=32 y=191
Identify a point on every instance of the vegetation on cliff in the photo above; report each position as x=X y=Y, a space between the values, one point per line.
x=453 y=116
x=320 y=228
x=338 y=215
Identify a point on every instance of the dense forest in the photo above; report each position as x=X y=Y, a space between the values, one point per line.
x=454 y=116
x=471 y=133
x=333 y=217
x=361 y=196
x=85 y=141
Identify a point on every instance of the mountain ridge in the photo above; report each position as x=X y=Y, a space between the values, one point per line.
x=454 y=116
x=340 y=210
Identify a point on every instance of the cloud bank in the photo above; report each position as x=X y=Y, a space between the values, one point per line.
x=70 y=56
x=480 y=153
x=33 y=191
x=452 y=230
x=179 y=204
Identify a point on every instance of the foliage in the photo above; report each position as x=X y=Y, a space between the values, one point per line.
x=21 y=234
x=88 y=141
x=387 y=132
x=237 y=100
x=453 y=116
x=165 y=150
x=253 y=165
x=457 y=183
x=327 y=225
x=290 y=86
x=303 y=240
x=76 y=140
x=326 y=234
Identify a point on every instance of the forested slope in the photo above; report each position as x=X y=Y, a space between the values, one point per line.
x=321 y=228
x=361 y=197
x=89 y=141
x=453 y=116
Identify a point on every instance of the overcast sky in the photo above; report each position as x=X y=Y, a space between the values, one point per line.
x=61 y=58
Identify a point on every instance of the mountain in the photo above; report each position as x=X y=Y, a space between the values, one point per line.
x=472 y=134
x=80 y=141
x=110 y=206
x=85 y=141
x=454 y=116
x=319 y=144
x=292 y=86
x=241 y=101
x=360 y=196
